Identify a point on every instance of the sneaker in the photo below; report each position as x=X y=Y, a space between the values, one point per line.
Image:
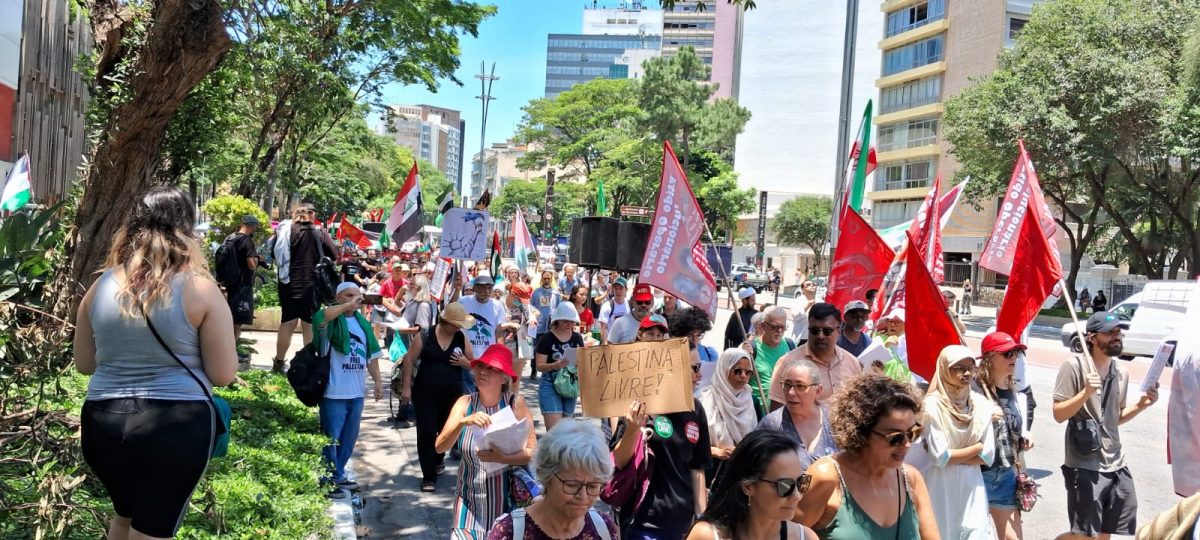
x=338 y=494
x=427 y=486
x=441 y=468
x=277 y=365
x=348 y=484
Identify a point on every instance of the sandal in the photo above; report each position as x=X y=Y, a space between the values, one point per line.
x=427 y=486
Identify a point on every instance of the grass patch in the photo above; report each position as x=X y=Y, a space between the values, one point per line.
x=1062 y=312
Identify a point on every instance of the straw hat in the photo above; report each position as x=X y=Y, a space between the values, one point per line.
x=457 y=315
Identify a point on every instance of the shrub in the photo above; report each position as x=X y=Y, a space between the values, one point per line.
x=226 y=213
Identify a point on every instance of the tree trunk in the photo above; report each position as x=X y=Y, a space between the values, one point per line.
x=184 y=42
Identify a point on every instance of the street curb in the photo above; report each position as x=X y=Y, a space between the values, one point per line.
x=342 y=513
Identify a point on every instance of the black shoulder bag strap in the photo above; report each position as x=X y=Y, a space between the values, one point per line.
x=199 y=383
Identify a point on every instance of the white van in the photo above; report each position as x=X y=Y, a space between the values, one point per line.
x=1152 y=314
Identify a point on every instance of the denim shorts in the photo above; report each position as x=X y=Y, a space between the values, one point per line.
x=1001 y=485
x=550 y=401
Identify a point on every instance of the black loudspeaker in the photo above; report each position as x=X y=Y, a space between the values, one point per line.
x=575 y=245
x=631 y=245
x=599 y=242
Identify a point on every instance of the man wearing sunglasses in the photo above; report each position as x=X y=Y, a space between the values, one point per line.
x=1090 y=394
x=625 y=329
x=836 y=364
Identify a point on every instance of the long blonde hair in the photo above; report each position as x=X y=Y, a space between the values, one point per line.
x=155 y=245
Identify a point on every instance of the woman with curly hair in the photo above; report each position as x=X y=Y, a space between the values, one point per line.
x=865 y=490
x=693 y=323
x=758 y=495
x=148 y=425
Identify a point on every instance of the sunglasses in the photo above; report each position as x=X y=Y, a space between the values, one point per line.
x=1010 y=354
x=738 y=372
x=784 y=487
x=897 y=438
x=817 y=331
x=643 y=303
x=695 y=368
x=963 y=369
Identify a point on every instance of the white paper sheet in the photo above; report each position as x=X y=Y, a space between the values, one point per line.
x=571 y=356
x=506 y=435
x=1156 y=365
x=874 y=352
x=400 y=323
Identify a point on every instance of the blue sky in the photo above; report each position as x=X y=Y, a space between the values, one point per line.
x=515 y=39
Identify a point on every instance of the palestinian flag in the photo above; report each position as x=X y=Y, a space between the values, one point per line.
x=408 y=214
x=16 y=190
x=443 y=207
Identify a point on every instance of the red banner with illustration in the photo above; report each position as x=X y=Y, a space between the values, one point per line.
x=675 y=261
x=861 y=260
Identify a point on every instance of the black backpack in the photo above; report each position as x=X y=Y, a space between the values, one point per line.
x=309 y=373
x=227 y=269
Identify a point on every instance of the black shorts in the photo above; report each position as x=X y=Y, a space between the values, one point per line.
x=297 y=302
x=241 y=303
x=150 y=454
x=1101 y=502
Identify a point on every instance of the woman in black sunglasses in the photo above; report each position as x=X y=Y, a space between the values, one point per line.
x=756 y=497
x=996 y=368
x=866 y=490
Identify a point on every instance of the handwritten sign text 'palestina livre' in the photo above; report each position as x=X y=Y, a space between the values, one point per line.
x=656 y=372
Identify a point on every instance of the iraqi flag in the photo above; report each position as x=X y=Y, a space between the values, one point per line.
x=408 y=214
x=860 y=262
x=675 y=261
x=523 y=246
x=1035 y=272
x=16 y=190
x=928 y=329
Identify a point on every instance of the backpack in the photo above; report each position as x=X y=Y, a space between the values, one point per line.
x=227 y=270
x=309 y=372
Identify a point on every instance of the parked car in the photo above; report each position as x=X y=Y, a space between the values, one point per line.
x=747 y=275
x=1152 y=315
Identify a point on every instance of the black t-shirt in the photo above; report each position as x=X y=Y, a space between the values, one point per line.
x=680 y=444
x=549 y=345
x=734 y=335
x=350 y=269
x=306 y=252
x=243 y=248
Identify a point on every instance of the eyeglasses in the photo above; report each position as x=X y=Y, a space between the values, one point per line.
x=784 y=487
x=897 y=438
x=572 y=487
x=960 y=370
x=799 y=387
x=775 y=327
x=817 y=331
x=738 y=372
x=695 y=368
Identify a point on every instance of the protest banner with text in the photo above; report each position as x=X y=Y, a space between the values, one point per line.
x=656 y=372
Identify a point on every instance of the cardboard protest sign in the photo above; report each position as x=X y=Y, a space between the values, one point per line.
x=437 y=283
x=464 y=234
x=656 y=372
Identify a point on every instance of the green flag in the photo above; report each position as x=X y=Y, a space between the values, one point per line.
x=601 y=201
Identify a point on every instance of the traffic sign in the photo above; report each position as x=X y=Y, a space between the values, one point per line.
x=635 y=211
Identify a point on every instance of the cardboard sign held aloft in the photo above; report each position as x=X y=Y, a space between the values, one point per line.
x=656 y=372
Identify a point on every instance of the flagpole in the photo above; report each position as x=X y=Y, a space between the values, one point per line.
x=735 y=315
x=1074 y=318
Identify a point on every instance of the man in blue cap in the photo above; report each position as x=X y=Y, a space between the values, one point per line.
x=615 y=308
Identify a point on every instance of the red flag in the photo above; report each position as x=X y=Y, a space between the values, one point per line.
x=354 y=234
x=1035 y=271
x=928 y=328
x=674 y=260
x=1024 y=192
x=861 y=260
x=926 y=232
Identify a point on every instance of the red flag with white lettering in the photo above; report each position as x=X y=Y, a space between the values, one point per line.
x=1024 y=191
x=1035 y=272
x=675 y=261
x=861 y=260
x=926 y=232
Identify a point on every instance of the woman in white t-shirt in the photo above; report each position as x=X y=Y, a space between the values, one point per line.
x=345 y=333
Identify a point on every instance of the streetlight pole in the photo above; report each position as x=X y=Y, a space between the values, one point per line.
x=839 y=163
x=485 y=87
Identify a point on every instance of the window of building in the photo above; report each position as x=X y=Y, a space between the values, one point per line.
x=915 y=55
x=905 y=174
x=915 y=16
x=891 y=213
x=911 y=94
x=1015 y=25
x=907 y=134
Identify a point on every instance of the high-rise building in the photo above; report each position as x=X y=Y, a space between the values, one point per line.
x=931 y=51
x=434 y=134
x=575 y=58
x=500 y=167
x=713 y=31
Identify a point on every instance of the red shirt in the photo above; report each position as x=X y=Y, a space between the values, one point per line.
x=586 y=319
x=390 y=288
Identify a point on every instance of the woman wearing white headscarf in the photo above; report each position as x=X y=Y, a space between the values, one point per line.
x=729 y=404
x=958 y=439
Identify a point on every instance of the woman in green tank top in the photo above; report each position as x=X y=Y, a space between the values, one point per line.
x=866 y=490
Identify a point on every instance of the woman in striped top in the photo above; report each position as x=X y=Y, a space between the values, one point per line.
x=481 y=496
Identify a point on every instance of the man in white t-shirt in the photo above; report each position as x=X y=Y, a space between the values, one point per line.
x=489 y=315
x=613 y=309
x=624 y=329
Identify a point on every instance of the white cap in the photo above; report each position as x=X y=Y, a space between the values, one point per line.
x=346 y=285
x=897 y=313
x=565 y=312
x=745 y=293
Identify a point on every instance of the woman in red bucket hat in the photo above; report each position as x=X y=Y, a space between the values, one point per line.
x=480 y=497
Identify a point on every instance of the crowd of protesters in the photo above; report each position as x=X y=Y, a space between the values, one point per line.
x=790 y=436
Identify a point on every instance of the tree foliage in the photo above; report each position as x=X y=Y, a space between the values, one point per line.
x=804 y=221
x=1098 y=93
x=570 y=201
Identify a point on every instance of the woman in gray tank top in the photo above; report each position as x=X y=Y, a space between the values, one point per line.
x=148 y=427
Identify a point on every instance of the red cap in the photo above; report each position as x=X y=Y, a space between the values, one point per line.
x=497 y=356
x=652 y=321
x=1000 y=342
x=642 y=293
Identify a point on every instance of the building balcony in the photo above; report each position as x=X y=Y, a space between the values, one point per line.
x=908 y=75
x=914 y=35
x=933 y=109
x=929 y=150
x=892 y=5
x=896 y=194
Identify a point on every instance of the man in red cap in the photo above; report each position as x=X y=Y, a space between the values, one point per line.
x=624 y=330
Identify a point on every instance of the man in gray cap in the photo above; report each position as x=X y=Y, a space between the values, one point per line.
x=854 y=317
x=1090 y=396
x=239 y=284
x=735 y=335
